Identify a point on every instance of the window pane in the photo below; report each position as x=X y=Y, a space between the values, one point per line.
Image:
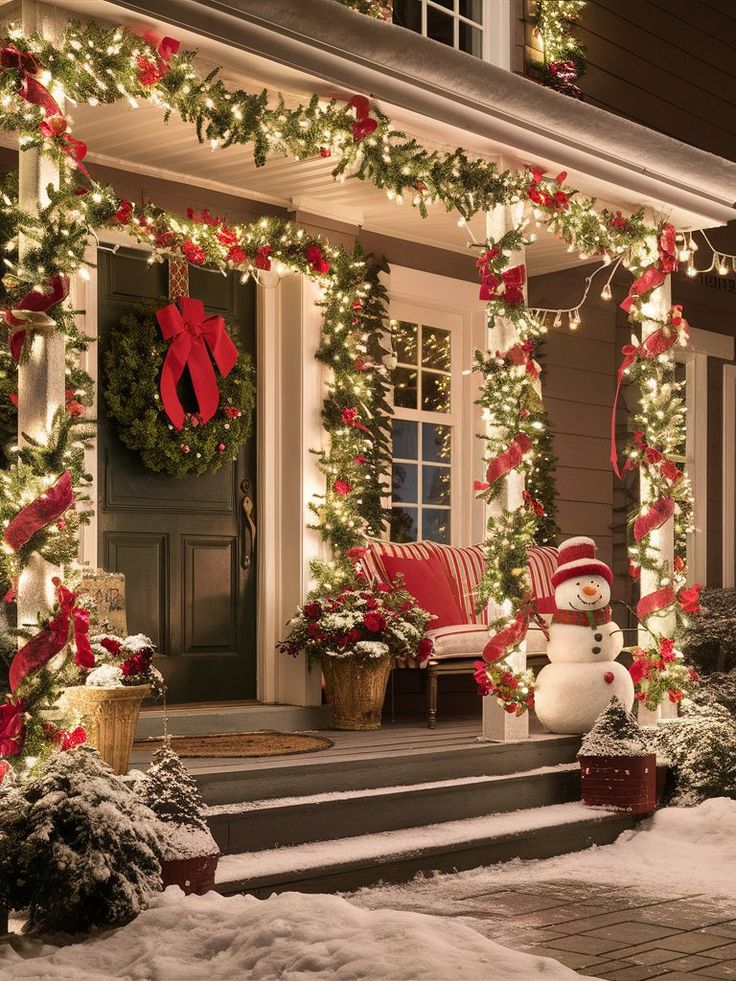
x=408 y=13
x=470 y=40
x=405 y=342
x=436 y=485
x=440 y=26
x=405 y=439
x=436 y=443
x=472 y=9
x=405 y=388
x=436 y=525
x=447 y=4
x=435 y=348
x=403 y=524
x=435 y=392
x=404 y=482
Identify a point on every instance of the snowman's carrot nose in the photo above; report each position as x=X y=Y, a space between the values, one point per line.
x=589 y=591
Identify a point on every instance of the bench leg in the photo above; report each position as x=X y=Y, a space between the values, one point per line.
x=431 y=692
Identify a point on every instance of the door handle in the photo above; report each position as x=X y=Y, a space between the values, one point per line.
x=248 y=524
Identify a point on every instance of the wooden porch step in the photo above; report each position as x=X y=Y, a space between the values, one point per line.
x=268 y=824
x=397 y=856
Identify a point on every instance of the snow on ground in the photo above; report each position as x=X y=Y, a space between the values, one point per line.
x=288 y=936
x=680 y=850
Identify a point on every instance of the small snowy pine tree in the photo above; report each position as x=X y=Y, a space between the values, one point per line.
x=615 y=733
x=171 y=793
x=77 y=847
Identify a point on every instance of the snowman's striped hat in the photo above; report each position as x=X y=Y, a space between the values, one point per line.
x=576 y=557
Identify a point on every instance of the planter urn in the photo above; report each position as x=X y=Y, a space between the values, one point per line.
x=110 y=716
x=356 y=688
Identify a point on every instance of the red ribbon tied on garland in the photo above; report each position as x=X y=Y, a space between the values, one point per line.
x=57 y=290
x=52 y=639
x=39 y=513
x=505 y=640
x=191 y=334
x=656 y=602
x=653 y=517
x=31 y=89
x=509 y=459
x=660 y=340
x=507 y=287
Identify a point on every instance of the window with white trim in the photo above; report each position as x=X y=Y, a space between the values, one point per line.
x=423 y=433
x=457 y=23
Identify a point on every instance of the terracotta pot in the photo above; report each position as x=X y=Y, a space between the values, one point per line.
x=356 y=688
x=626 y=783
x=110 y=716
x=193 y=875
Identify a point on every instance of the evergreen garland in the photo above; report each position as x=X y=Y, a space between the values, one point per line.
x=133 y=358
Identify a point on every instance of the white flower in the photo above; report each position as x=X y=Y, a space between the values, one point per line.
x=371 y=648
x=106 y=676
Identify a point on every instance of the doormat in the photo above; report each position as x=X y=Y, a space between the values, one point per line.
x=240 y=744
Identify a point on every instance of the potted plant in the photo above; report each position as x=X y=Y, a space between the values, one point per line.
x=108 y=696
x=617 y=767
x=189 y=852
x=355 y=634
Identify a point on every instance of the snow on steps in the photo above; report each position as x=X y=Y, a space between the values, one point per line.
x=295 y=820
x=396 y=856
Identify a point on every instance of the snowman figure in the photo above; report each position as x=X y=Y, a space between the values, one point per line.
x=583 y=674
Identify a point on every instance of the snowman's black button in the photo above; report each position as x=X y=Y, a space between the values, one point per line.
x=596 y=650
x=599 y=637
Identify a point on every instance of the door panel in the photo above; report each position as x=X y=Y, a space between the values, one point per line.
x=179 y=542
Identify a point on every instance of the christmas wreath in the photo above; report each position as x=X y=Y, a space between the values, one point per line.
x=134 y=356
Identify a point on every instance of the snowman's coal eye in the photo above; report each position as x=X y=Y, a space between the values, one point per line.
x=577 y=583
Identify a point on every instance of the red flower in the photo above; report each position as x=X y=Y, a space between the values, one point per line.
x=148 y=72
x=680 y=564
x=356 y=552
x=480 y=676
x=424 y=648
x=12 y=729
x=374 y=621
x=667 y=249
x=312 y=253
x=111 y=644
x=232 y=412
x=314 y=631
x=203 y=217
x=193 y=252
x=263 y=258
x=165 y=240
x=4 y=768
x=652 y=455
x=312 y=611
x=360 y=459
x=342 y=487
x=124 y=212
x=638 y=671
x=675 y=695
x=667 y=649
x=363 y=128
x=689 y=599
x=75 y=408
x=670 y=471
x=68 y=740
x=226 y=236
x=237 y=255
x=349 y=416
x=382 y=587
x=324 y=152
x=618 y=221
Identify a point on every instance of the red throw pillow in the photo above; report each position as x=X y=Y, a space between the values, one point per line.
x=429 y=584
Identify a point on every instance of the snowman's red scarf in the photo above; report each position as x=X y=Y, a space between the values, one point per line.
x=583 y=618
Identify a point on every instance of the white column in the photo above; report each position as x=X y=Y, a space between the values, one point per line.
x=41 y=376
x=662 y=540
x=498 y=724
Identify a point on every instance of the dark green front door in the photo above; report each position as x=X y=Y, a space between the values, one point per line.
x=181 y=543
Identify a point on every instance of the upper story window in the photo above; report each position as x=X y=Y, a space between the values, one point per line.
x=423 y=434
x=457 y=23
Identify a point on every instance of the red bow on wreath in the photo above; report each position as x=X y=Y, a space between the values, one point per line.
x=191 y=334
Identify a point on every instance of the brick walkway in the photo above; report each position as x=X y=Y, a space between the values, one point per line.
x=608 y=933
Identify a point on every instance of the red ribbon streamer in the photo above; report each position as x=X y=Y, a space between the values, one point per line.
x=654 y=517
x=39 y=513
x=57 y=290
x=30 y=88
x=655 y=602
x=509 y=459
x=190 y=334
x=649 y=280
x=55 y=129
x=508 y=638
x=47 y=643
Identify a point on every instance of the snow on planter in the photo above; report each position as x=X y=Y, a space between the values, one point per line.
x=190 y=853
x=617 y=768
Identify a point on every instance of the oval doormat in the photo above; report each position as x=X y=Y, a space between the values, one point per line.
x=240 y=744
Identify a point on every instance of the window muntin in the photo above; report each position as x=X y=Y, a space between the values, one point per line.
x=457 y=23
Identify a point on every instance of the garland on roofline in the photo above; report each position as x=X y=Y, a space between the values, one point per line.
x=97 y=65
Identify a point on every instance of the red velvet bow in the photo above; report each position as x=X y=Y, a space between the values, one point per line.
x=57 y=290
x=507 y=286
x=509 y=459
x=650 y=279
x=12 y=729
x=55 y=128
x=30 y=88
x=39 y=513
x=191 y=334
x=507 y=639
x=47 y=643
x=660 y=340
x=164 y=46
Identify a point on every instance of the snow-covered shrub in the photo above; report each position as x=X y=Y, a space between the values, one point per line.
x=710 y=643
x=171 y=793
x=717 y=688
x=77 y=847
x=700 y=747
x=615 y=733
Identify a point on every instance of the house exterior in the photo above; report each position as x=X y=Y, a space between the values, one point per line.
x=215 y=567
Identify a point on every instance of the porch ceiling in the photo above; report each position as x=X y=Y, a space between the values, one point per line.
x=135 y=140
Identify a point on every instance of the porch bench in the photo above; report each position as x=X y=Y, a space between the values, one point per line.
x=457 y=646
